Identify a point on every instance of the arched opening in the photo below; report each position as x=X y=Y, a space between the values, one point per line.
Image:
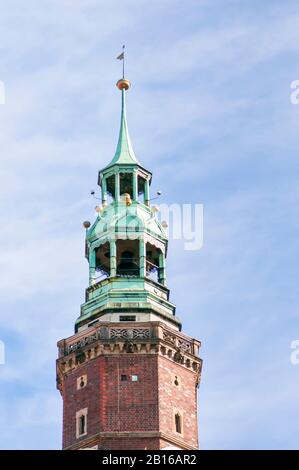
x=110 y=187
x=102 y=261
x=152 y=262
x=127 y=258
x=155 y=263
x=126 y=183
x=141 y=189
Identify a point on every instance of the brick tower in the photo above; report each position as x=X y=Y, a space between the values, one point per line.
x=128 y=376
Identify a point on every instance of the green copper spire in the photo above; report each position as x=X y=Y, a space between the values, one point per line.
x=126 y=246
x=124 y=153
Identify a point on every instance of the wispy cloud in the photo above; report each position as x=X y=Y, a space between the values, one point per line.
x=209 y=106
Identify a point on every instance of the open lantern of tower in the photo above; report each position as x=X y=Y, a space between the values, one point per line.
x=128 y=376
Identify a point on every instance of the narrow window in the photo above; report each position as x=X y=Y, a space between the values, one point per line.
x=123 y=378
x=178 y=423
x=82 y=425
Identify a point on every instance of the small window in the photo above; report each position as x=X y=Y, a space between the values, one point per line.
x=123 y=378
x=82 y=383
x=178 y=423
x=82 y=425
x=134 y=378
x=127 y=318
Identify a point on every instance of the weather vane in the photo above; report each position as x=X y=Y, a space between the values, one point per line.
x=122 y=57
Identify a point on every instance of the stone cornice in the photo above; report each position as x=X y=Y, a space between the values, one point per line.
x=93 y=440
x=127 y=338
x=158 y=330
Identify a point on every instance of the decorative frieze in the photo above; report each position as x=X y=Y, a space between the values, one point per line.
x=178 y=342
x=168 y=337
x=105 y=333
x=110 y=338
x=184 y=345
x=129 y=334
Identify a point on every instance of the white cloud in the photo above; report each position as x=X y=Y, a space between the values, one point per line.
x=59 y=126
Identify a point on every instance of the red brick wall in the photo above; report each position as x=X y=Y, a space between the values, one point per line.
x=131 y=406
x=74 y=400
x=146 y=405
x=129 y=444
x=112 y=405
x=181 y=398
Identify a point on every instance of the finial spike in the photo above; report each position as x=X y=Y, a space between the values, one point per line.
x=122 y=57
x=124 y=61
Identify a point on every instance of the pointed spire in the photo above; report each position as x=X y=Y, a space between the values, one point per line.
x=124 y=153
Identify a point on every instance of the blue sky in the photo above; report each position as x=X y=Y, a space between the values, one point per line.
x=209 y=113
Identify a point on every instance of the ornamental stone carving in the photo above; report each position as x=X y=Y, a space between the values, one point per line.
x=134 y=333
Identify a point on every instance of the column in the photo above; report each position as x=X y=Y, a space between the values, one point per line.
x=117 y=195
x=92 y=267
x=104 y=191
x=146 y=193
x=142 y=258
x=112 y=258
x=162 y=273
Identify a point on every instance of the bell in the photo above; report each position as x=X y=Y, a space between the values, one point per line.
x=127 y=198
x=127 y=266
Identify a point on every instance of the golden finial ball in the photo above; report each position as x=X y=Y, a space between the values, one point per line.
x=123 y=84
x=86 y=224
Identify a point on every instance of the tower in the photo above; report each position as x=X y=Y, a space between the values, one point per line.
x=128 y=376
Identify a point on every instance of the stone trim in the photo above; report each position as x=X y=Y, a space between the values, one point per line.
x=95 y=439
x=145 y=330
x=112 y=339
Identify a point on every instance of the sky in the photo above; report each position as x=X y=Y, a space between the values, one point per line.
x=210 y=114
